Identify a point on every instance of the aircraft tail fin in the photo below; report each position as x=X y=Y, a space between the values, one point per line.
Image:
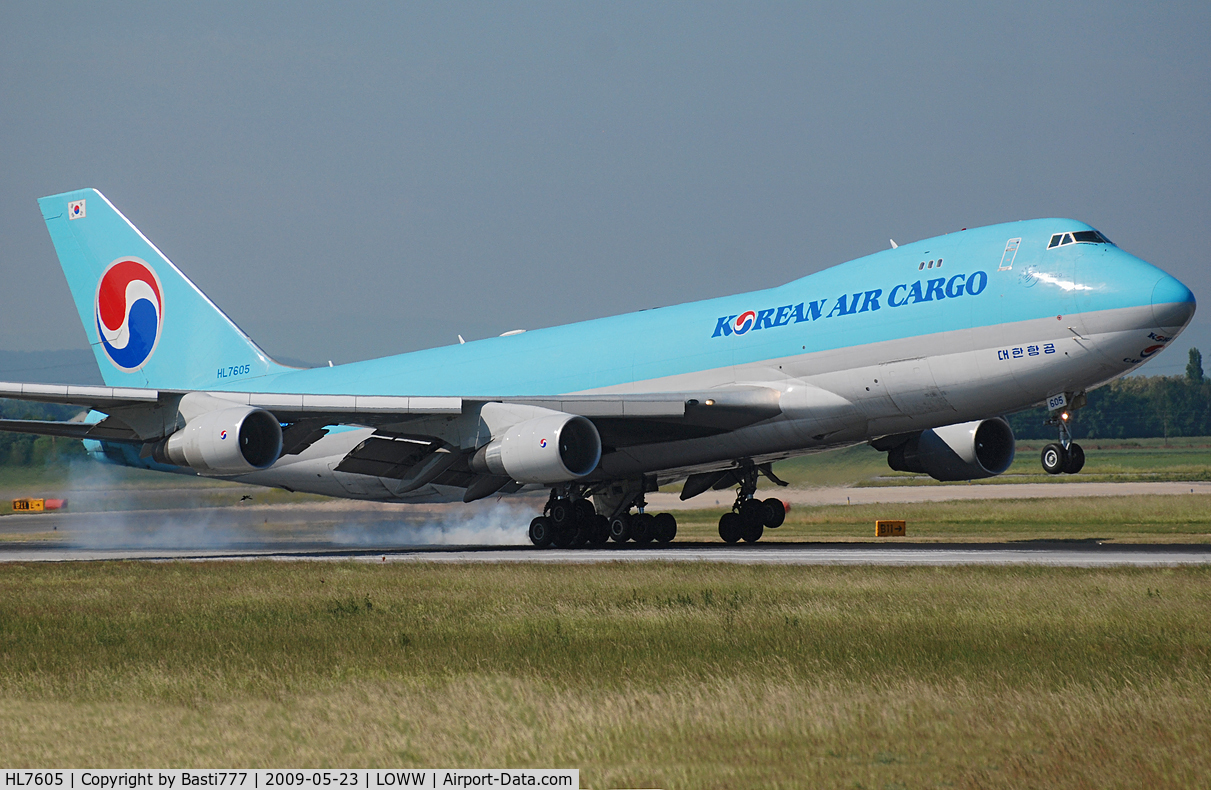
x=148 y=325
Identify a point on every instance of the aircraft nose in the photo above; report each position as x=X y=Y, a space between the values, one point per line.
x=1172 y=303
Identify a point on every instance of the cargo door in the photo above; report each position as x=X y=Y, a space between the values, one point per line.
x=912 y=388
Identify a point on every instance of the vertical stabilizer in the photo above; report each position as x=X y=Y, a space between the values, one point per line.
x=147 y=323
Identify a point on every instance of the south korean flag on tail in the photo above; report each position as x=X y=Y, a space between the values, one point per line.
x=75 y=209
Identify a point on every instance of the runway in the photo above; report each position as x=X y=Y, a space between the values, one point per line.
x=494 y=532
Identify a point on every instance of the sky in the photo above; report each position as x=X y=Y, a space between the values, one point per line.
x=349 y=181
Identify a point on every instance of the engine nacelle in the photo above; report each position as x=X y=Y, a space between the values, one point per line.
x=967 y=451
x=228 y=441
x=547 y=449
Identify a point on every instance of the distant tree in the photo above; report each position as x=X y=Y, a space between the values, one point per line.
x=1194 y=368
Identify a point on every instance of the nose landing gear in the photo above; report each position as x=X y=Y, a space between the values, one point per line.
x=1058 y=459
x=1064 y=456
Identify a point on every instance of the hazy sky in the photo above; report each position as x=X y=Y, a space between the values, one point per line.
x=355 y=180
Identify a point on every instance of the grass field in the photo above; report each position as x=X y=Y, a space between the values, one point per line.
x=1119 y=460
x=641 y=675
x=1137 y=519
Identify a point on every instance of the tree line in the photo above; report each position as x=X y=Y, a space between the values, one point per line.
x=1136 y=407
x=24 y=449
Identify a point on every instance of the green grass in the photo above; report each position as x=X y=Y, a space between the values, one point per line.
x=1137 y=519
x=1119 y=460
x=640 y=675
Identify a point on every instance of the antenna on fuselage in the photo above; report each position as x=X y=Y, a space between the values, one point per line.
x=893 y=244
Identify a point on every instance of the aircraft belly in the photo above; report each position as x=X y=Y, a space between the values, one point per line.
x=312 y=477
x=779 y=436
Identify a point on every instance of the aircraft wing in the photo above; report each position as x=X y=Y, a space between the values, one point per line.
x=621 y=419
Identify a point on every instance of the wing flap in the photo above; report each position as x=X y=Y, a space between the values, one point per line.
x=386 y=456
x=77 y=395
x=107 y=430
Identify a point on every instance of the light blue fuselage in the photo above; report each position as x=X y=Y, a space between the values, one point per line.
x=876 y=299
x=960 y=327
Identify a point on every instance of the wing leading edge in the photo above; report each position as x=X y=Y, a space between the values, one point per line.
x=622 y=419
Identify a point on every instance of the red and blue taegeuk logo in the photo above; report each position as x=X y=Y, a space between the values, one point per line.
x=130 y=312
x=744 y=322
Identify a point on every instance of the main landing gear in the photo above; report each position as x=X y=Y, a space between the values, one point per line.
x=749 y=517
x=569 y=520
x=1064 y=456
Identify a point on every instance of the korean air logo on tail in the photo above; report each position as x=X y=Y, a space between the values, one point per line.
x=130 y=312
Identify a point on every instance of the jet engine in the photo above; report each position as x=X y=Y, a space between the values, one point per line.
x=228 y=441
x=548 y=449
x=967 y=451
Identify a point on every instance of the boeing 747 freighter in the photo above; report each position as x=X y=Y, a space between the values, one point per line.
x=916 y=350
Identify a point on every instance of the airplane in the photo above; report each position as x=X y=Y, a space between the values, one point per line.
x=917 y=350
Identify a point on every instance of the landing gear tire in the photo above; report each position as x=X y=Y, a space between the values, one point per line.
x=1076 y=459
x=775 y=513
x=583 y=518
x=620 y=528
x=642 y=527
x=731 y=527
x=752 y=512
x=540 y=532
x=599 y=532
x=583 y=510
x=753 y=532
x=1055 y=458
x=563 y=537
x=562 y=513
x=664 y=527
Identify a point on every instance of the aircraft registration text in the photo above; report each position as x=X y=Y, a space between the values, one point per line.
x=234 y=370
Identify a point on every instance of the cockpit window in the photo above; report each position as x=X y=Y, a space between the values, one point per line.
x=1078 y=237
